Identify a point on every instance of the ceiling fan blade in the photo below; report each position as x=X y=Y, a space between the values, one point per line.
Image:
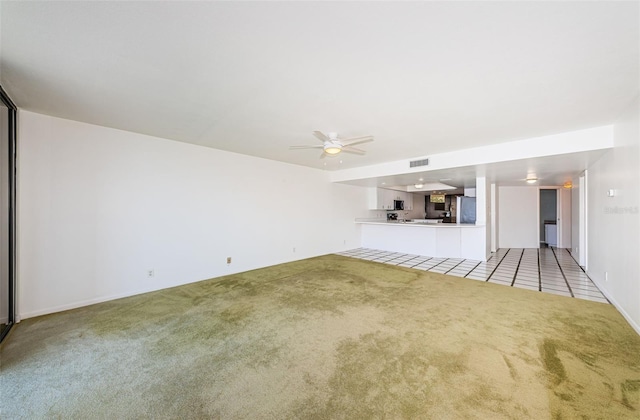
x=320 y=146
x=353 y=150
x=320 y=136
x=356 y=140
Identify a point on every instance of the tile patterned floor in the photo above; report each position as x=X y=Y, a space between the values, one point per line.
x=549 y=270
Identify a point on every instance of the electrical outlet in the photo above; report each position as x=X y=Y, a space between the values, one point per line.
x=294 y=249
x=344 y=242
x=150 y=273
x=228 y=260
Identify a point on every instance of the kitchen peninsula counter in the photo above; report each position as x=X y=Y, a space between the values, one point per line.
x=418 y=224
x=442 y=240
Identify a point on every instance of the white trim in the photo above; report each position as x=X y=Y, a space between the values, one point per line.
x=494 y=218
x=585 y=248
x=559 y=218
x=87 y=302
x=618 y=307
x=538 y=217
x=79 y=304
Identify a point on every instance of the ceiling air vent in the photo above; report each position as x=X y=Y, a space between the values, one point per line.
x=422 y=162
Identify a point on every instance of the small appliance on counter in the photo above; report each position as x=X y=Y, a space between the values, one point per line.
x=392 y=216
x=398 y=204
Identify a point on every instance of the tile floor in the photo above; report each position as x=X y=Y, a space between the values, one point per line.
x=549 y=270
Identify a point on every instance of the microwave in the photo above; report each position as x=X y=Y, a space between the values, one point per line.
x=398 y=204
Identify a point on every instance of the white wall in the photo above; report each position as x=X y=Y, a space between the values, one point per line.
x=99 y=207
x=564 y=213
x=613 y=223
x=578 y=220
x=575 y=218
x=482 y=192
x=518 y=221
x=495 y=213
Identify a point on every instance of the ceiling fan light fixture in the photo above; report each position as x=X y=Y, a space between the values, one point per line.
x=332 y=149
x=332 y=144
x=531 y=180
x=419 y=185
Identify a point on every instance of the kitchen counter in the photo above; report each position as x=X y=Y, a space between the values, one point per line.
x=443 y=240
x=418 y=223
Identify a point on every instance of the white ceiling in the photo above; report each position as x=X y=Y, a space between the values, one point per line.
x=254 y=78
x=549 y=171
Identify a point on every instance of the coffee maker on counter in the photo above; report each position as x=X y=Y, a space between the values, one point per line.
x=392 y=216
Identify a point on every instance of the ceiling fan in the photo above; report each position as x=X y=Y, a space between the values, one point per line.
x=332 y=144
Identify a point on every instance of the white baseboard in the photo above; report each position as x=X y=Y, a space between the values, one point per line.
x=620 y=309
x=78 y=304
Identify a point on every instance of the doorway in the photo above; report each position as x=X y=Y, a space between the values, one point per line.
x=7 y=213
x=548 y=223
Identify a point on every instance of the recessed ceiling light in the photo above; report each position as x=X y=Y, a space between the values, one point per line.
x=420 y=179
x=419 y=185
x=531 y=180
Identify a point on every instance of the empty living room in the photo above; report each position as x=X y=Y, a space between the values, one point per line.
x=323 y=210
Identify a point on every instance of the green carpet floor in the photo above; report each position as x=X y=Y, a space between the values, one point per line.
x=326 y=338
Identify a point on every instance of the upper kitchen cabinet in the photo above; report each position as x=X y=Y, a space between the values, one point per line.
x=383 y=199
x=408 y=201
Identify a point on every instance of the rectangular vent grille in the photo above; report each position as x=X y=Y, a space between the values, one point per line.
x=414 y=163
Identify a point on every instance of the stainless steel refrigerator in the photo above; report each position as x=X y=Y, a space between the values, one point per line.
x=466 y=210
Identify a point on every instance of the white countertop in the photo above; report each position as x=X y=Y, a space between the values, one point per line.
x=417 y=224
